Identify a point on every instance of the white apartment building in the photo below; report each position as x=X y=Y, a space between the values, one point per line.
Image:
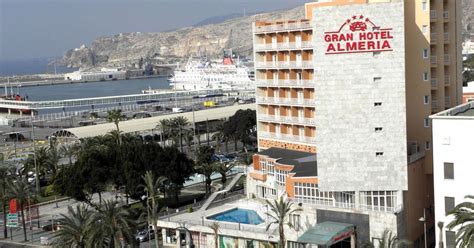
x=453 y=157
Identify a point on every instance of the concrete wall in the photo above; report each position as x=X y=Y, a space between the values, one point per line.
x=452 y=143
x=345 y=96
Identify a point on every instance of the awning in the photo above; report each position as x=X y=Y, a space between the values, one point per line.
x=327 y=233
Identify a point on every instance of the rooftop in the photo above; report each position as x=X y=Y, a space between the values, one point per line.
x=463 y=111
x=305 y=164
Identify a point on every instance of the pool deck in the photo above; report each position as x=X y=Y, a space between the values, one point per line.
x=197 y=220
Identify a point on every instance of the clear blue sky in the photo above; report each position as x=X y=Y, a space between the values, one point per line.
x=47 y=28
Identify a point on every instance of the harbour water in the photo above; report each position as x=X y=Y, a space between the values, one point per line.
x=91 y=89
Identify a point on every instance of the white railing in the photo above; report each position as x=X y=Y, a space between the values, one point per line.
x=446 y=59
x=446 y=80
x=434 y=83
x=284 y=64
x=306 y=64
x=285 y=82
x=306 y=44
x=446 y=37
x=287 y=137
x=286 y=119
x=283 y=27
x=282 y=46
x=433 y=15
x=433 y=60
x=285 y=100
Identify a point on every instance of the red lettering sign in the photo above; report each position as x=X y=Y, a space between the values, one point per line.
x=358 y=35
x=13 y=206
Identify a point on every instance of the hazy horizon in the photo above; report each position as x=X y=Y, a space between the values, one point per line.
x=48 y=28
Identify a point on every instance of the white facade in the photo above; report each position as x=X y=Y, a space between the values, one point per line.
x=95 y=76
x=453 y=136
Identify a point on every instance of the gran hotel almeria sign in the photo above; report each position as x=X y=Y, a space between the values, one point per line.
x=358 y=34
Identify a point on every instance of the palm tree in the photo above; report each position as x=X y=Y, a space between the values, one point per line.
x=74 y=230
x=165 y=127
x=280 y=211
x=223 y=168
x=115 y=116
x=218 y=136
x=20 y=190
x=179 y=124
x=4 y=196
x=215 y=229
x=112 y=224
x=464 y=220
x=69 y=151
x=152 y=187
x=388 y=240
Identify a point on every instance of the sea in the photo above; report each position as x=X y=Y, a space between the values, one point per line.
x=18 y=67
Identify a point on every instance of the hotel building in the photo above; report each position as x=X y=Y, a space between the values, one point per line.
x=343 y=104
x=453 y=166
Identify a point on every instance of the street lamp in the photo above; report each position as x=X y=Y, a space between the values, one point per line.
x=423 y=219
x=147 y=218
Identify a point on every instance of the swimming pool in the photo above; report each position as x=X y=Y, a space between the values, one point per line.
x=238 y=215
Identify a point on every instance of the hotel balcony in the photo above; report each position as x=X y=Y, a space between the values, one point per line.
x=446 y=37
x=301 y=25
x=285 y=101
x=447 y=60
x=258 y=175
x=286 y=119
x=434 y=61
x=284 y=82
x=446 y=80
x=287 y=137
x=434 y=83
x=447 y=101
x=446 y=15
x=283 y=46
x=433 y=16
x=433 y=38
x=434 y=105
x=283 y=64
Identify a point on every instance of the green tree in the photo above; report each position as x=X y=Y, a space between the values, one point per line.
x=219 y=136
x=464 y=220
x=75 y=226
x=4 y=195
x=179 y=124
x=388 y=240
x=115 y=116
x=205 y=165
x=111 y=225
x=280 y=211
x=166 y=128
x=242 y=126
x=153 y=186
x=20 y=190
x=69 y=151
x=223 y=168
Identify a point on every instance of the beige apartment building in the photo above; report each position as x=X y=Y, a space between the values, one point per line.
x=355 y=83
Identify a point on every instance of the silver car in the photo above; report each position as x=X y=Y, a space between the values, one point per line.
x=142 y=235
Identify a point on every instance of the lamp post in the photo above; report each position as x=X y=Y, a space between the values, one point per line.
x=423 y=219
x=147 y=218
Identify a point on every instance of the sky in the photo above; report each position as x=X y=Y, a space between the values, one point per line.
x=48 y=28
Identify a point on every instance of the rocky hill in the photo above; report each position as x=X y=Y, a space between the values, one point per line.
x=210 y=40
x=126 y=49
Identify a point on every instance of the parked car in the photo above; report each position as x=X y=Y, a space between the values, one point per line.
x=142 y=235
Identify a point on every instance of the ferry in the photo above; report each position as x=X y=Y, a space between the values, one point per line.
x=211 y=75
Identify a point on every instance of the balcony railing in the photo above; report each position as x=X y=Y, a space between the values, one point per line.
x=283 y=27
x=283 y=46
x=447 y=60
x=434 y=83
x=446 y=37
x=446 y=80
x=284 y=82
x=286 y=119
x=433 y=15
x=282 y=100
x=287 y=137
x=433 y=60
x=284 y=64
x=447 y=101
x=434 y=104
x=433 y=38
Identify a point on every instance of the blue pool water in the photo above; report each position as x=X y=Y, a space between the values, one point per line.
x=238 y=215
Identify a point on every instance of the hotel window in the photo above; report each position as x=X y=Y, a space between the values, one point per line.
x=378 y=129
x=424 y=5
x=377 y=79
x=450 y=239
x=281 y=176
x=379 y=154
x=310 y=192
x=425 y=76
x=448 y=204
x=378 y=200
x=295 y=221
x=427 y=122
x=377 y=104
x=267 y=166
x=424 y=29
x=426 y=100
x=425 y=53
x=292 y=244
x=448 y=171
x=427 y=145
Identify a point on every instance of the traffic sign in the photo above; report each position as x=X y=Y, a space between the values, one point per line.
x=12 y=220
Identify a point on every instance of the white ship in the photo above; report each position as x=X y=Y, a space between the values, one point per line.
x=209 y=75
